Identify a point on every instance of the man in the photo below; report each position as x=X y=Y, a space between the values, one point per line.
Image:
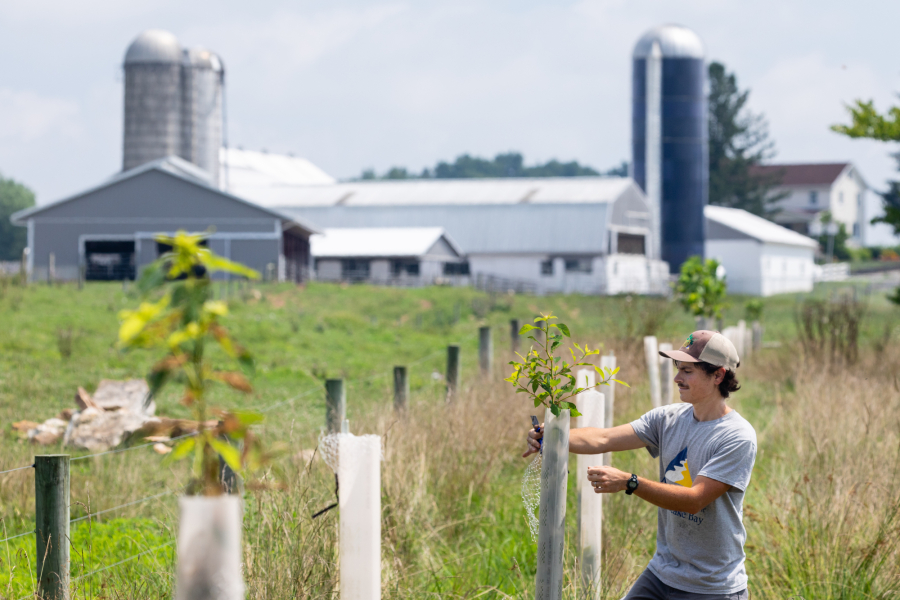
x=706 y=451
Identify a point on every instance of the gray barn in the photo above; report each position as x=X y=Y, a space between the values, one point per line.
x=109 y=230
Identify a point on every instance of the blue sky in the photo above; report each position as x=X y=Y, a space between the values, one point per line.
x=352 y=85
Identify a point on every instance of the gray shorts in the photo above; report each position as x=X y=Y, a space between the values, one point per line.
x=649 y=587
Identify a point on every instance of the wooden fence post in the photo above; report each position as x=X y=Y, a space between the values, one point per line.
x=651 y=354
x=666 y=375
x=609 y=362
x=452 y=371
x=552 y=515
x=514 y=328
x=401 y=388
x=335 y=405
x=485 y=351
x=51 y=269
x=51 y=509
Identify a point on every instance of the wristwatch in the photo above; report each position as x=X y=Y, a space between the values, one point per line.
x=631 y=485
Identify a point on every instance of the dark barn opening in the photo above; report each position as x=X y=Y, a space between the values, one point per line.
x=109 y=261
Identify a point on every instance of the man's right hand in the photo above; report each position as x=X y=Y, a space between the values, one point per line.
x=534 y=445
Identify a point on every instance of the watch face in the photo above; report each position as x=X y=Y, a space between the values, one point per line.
x=632 y=484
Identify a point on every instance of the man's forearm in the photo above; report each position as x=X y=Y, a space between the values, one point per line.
x=587 y=440
x=669 y=497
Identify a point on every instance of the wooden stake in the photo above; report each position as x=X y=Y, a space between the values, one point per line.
x=485 y=350
x=401 y=389
x=51 y=508
x=514 y=328
x=335 y=404
x=452 y=371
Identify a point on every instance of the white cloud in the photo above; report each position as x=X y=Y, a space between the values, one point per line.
x=29 y=117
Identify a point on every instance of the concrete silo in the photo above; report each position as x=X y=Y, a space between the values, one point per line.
x=203 y=79
x=152 y=98
x=173 y=103
x=670 y=138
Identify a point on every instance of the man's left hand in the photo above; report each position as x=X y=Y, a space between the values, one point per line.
x=607 y=480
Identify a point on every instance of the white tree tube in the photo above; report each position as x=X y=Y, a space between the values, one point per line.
x=552 y=514
x=209 y=549
x=651 y=354
x=609 y=362
x=666 y=375
x=359 y=499
x=592 y=407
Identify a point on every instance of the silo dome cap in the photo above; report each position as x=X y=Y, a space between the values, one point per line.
x=203 y=58
x=154 y=46
x=675 y=41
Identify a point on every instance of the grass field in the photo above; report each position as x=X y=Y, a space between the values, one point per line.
x=821 y=511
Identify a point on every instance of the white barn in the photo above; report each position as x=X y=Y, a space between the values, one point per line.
x=761 y=258
x=408 y=256
x=587 y=235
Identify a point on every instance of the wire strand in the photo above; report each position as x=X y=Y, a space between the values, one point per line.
x=17 y=469
x=129 y=448
x=12 y=537
x=100 y=512
x=95 y=571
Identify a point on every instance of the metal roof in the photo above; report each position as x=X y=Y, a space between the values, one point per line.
x=176 y=167
x=803 y=174
x=437 y=192
x=757 y=227
x=378 y=242
x=260 y=174
x=675 y=41
x=154 y=46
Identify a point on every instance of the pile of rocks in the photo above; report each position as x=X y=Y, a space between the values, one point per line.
x=117 y=412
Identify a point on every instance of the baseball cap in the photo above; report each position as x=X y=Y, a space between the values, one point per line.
x=709 y=347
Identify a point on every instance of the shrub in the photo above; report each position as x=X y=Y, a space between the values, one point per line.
x=700 y=289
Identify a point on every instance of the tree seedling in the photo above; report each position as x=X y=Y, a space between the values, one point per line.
x=545 y=377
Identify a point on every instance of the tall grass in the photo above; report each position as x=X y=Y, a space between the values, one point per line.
x=820 y=512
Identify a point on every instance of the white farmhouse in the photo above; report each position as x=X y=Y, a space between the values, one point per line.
x=760 y=257
x=812 y=188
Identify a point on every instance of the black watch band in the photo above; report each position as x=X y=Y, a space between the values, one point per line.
x=631 y=485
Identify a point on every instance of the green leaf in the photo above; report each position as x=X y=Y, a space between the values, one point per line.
x=537 y=402
x=563 y=328
x=183 y=448
x=555 y=345
x=248 y=417
x=622 y=382
x=575 y=413
x=229 y=453
x=614 y=371
x=526 y=328
x=554 y=408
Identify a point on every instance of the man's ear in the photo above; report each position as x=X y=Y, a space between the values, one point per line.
x=720 y=375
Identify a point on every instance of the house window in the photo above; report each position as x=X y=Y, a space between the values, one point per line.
x=547 y=267
x=354 y=269
x=407 y=266
x=461 y=268
x=630 y=243
x=856 y=230
x=814 y=197
x=578 y=265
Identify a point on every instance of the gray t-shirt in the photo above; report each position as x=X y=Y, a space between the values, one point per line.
x=702 y=553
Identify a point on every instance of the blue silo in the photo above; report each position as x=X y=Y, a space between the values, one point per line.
x=669 y=147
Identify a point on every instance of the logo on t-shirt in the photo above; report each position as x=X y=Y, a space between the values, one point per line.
x=678 y=472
